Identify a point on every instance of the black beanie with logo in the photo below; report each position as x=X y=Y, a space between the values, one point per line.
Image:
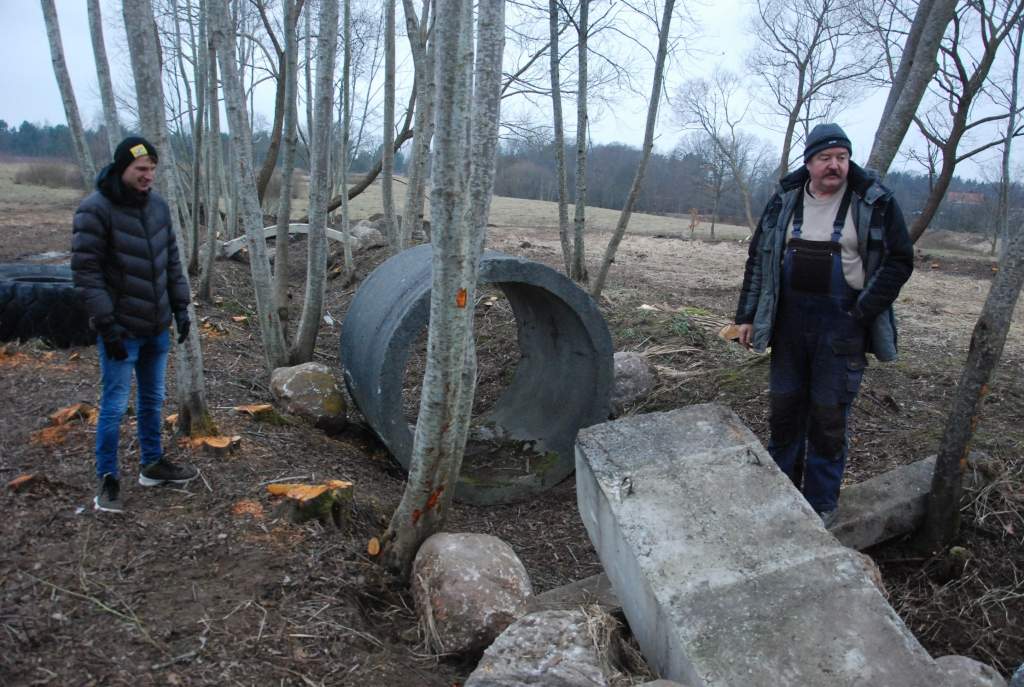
x=129 y=150
x=825 y=136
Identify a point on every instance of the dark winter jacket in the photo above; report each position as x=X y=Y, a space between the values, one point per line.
x=124 y=259
x=884 y=245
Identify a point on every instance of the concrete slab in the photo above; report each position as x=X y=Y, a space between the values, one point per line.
x=724 y=572
x=884 y=507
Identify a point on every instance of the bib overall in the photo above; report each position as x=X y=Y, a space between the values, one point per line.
x=817 y=363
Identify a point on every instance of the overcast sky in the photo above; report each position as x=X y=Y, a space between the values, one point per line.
x=28 y=90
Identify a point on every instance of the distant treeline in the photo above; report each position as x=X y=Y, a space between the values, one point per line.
x=676 y=183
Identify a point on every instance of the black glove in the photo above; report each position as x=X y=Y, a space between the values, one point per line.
x=183 y=324
x=113 y=341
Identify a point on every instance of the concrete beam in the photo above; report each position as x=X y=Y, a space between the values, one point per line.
x=724 y=572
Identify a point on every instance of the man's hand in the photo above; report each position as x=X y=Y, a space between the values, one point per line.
x=746 y=333
x=183 y=325
x=113 y=342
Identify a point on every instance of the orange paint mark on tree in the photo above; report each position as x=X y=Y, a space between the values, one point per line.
x=416 y=516
x=432 y=501
x=460 y=299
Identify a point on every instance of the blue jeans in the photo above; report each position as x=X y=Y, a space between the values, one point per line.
x=817 y=366
x=147 y=355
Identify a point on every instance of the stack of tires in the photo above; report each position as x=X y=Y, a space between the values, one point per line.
x=39 y=302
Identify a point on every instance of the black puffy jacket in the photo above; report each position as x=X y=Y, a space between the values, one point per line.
x=124 y=259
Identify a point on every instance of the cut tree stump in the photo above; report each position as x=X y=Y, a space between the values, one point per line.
x=304 y=502
x=216 y=446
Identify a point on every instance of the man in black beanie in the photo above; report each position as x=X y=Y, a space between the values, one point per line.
x=826 y=262
x=126 y=267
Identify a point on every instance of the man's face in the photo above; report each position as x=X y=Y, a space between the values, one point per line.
x=828 y=170
x=139 y=174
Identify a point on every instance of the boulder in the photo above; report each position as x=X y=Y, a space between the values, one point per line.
x=966 y=672
x=467 y=589
x=550 y=648
x=311 y=392
x=662 y=683
x=873 y=573
x=1018 y=677
x=366 y=235
x=634 y=380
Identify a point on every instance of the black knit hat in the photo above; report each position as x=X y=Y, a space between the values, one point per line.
x=825 y=136
x=128 y=150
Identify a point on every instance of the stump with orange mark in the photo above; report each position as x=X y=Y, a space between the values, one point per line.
x=303 y=502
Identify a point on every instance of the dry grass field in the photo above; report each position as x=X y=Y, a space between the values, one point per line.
x=205 y=586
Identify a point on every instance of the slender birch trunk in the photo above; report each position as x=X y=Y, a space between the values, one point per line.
x=99 y=52
x=214 y=173
x=67 y=95
x=274 y=347
x=645 y=155
x=559 y=132
x=198 y=126
x=423 y=61
x=316 y=240
x=193 y=412
x=579 y=257
x=1002 y=229
x=289 y=72
x=942 y=522
x=462 y=184
x=309 y=83
x=388 y=146
x=917 y=66
x=346 y=122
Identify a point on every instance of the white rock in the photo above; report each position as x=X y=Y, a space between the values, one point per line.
x=549 y=648
x=467 y=589
x=966 y=672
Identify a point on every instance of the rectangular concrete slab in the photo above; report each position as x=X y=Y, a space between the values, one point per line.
x=886 y=506
x=725 y=573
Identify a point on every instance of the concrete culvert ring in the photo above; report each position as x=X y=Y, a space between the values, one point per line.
x=40 y=302
x=561 y=383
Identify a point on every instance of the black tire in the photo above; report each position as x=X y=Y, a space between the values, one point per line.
x=40 y=302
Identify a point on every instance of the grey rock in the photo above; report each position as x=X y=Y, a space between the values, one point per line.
x=662 y=683
x=467 y=589
x=311 y=392
x=1018 y=677
x=966 y=672
x=550 y=648
x=366 y=235
x=634 y=380
x=595 y=590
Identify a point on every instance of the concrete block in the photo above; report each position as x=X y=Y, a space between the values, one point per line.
x=884 y=507
x=724 y=572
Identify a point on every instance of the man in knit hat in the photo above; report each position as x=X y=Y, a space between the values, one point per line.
x=826 y=262
x=126 y=267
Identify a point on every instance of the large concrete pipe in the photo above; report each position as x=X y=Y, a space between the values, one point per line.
x=562 y=382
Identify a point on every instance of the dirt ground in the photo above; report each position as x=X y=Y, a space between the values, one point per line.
x=205 y=586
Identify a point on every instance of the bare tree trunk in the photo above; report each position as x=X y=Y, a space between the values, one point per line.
x=213 y=163
x=289 y=76
x=579 y=258
x=917 y=66
x=645 y=154
x=193 y=413
x=346 y=123
x=99 y=51
x=423 y=59
x=1002 y=230
x=943 y=519
x=559 y=132
x=198 y=124
x=319 y=186
x=67 y=95
x=310 y=123
x=271 y=333
x=388 y=147
x=459 y=202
